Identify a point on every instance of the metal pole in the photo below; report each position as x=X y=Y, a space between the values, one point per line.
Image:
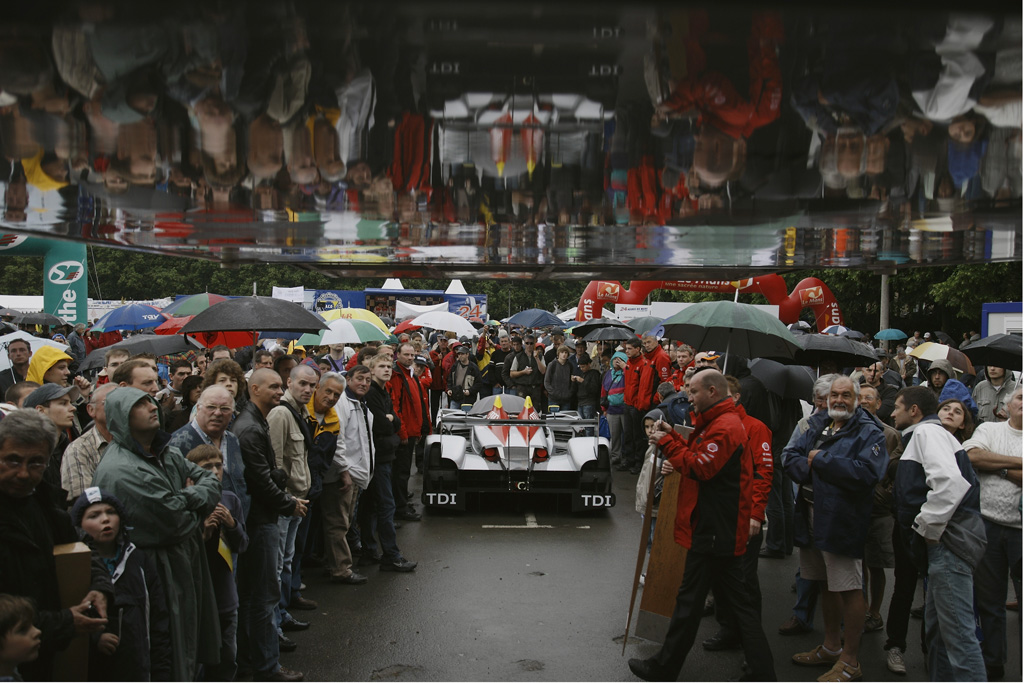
x=883 y=307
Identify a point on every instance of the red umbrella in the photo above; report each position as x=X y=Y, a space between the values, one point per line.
x=406 y=326
x=232 y=340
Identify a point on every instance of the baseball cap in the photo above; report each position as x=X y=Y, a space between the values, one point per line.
x=423 y=360
x=502 y=334
x=707 y=355
x=462 y=348
x=47 y=393
x=927 y=335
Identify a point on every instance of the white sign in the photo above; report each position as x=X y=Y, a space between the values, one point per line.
x=630 y=311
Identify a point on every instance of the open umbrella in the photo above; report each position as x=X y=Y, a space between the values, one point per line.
x=254 y=313
x=129 y=317
x=608 y=334
x=787 y=381
x=354 y=314
x=852 y=334
x=158 y=345
x=405 y=326
x=449 y=322
x=208 y=340
x=38 y=318
x=800 y=326
x=535 y=317
x=943 y=338
x=819 y=348
x=999 y=350
x=645 y=324
x=585 y=328
x=835 y=329
x=344 y=331
x=191 y=305
x=891 y=334
x=740 y=328
x=931 y=351
x=8 y=312
x=34 y=343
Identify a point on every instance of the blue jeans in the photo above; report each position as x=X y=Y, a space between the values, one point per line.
x=377 y=513
x=225 y=670
x=258 y=594
x=1002 y=557
x=954 y=653
x=806 y=599
x=588 y=413
x=289 y=527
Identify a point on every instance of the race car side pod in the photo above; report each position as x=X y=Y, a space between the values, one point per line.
x=809 y=293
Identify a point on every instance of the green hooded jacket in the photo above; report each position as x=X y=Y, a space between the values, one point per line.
x=167 y=514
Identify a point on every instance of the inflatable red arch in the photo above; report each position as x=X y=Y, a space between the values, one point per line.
x=810 y=293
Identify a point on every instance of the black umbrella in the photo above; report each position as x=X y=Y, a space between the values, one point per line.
x=8 y=312
x=943 y=338
x=999 y=350
x=585 y=328
x=534 y=318
x=843 y=351
x=39 y=318
x=607 y=334
x=787 y=381
x=157 y=344
x=255 y=313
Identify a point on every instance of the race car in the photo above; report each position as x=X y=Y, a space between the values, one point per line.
x=484 y=450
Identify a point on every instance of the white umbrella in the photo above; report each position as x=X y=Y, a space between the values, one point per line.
x=34 y=342
x=344 y=331
x=449 y=322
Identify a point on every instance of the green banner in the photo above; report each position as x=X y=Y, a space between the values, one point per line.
x=65 y=281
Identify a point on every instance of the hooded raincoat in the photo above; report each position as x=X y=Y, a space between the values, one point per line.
x=167 y=517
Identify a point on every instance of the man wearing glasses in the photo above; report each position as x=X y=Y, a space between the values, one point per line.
x=29 y=528
x=524 y=370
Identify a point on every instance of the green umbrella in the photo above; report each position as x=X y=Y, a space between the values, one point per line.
x=738 y=328
x=344 y=331
x=192 y=305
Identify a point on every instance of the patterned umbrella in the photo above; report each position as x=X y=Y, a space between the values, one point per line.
x=354 y=314
x=931 y=351
x=190 y=305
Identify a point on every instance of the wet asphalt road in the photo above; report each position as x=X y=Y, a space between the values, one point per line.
x=544 y=600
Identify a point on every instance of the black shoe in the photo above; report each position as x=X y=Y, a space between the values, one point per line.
x=917 y=612
x=624 y=467
x=286 y=644
x=400 y=565
x=282 y=674
x=352 y=579
x=369 y=560
x=299 y=602
x=648 y=670
x=635 y=470
x=770 y=554
x=294 y=624
x=408 y=516
x=397 y=526
x=721 y=642
x=995 y=672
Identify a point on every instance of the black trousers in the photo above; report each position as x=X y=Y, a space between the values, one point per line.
x=732 y=590
x=729 y=625
x=634 y=439
x=400 y=473
x=897 y=621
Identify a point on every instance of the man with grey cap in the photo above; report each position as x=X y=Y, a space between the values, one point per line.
x=57 y=404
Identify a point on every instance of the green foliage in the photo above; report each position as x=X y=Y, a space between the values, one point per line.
x=946 y=298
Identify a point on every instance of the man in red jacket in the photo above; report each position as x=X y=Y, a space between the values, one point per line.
x=410 y=399
x=639 y=398
x=758 y=447
x=657 y=357
x=713 y=522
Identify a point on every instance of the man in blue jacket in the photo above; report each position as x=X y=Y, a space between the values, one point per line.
x=837 y=463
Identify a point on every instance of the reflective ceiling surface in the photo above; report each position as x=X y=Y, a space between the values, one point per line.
x=522 y=140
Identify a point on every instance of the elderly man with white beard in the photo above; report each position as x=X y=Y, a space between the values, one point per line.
x=837 y=462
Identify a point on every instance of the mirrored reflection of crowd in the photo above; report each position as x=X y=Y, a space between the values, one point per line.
x=292 y=111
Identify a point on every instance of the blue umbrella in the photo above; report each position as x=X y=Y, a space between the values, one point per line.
x=535 y=317
x=891 y=334
x=129 y=317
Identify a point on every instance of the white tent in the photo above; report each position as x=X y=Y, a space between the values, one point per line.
x=456 y=288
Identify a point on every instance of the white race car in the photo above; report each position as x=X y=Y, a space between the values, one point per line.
x=503 y=445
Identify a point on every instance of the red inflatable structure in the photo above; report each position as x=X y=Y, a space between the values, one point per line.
x=810 y=293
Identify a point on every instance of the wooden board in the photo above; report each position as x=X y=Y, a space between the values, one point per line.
x=664 y=568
